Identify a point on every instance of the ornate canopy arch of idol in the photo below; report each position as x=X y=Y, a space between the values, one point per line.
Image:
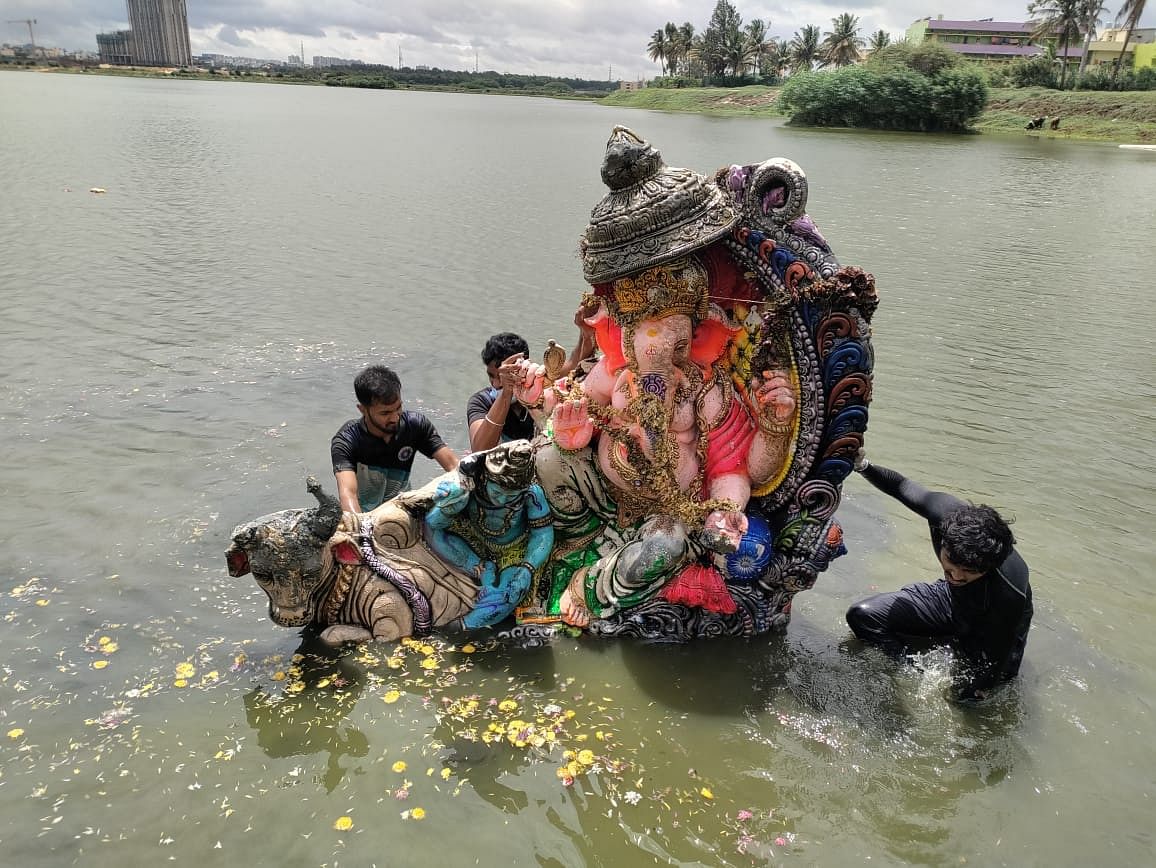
x=684 y=479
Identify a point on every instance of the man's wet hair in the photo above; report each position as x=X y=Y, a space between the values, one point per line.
x=501 y=346
x=976 y=538
x=377 y=384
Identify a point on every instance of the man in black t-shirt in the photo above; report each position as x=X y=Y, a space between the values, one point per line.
x=372 y=456
x=493 y=415
x=983 y=604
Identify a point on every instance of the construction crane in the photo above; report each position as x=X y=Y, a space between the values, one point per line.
x=31 y=37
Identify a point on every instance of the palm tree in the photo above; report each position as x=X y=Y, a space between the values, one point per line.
x=880 y=39
x=671 y=31
x=841 y=46
x=1057 y=19
x=804 y=49
x=696 y=57
x=657 y=48
x=756 y=38
x=685 y=41
x=777 y=57
x=1090 y=11
x=1130 y=14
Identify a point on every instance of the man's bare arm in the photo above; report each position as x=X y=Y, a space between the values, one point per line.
x=347 y=490
x=445 y=457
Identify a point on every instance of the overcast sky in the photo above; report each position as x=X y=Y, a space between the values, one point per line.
x=582 y=38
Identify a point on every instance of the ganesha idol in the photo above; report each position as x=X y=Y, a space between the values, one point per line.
x=694 y=467
x=684 y=479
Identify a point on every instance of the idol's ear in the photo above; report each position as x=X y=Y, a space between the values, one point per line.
x=346 y=552
x=238 y=561
x=776 y=194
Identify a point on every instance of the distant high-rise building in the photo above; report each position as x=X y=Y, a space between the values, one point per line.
x=160 y=32
x=115 y=47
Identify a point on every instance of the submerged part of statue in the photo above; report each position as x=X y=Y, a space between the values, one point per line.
x=684 y=480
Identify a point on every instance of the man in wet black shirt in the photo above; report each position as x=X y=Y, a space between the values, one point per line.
x=494 y=415
x=373 y=455
x=983 y=603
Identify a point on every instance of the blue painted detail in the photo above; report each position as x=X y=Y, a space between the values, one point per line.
x=847 y=358
x=833 y=470
x=754 y=553
x=849 y=420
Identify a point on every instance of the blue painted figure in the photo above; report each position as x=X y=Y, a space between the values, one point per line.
x=493 y=522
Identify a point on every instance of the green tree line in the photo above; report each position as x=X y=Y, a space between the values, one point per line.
x=728 y=52
x=389 y=77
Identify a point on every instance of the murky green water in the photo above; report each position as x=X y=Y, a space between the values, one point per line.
x=176 y=353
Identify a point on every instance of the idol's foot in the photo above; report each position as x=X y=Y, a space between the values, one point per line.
x=571 y=605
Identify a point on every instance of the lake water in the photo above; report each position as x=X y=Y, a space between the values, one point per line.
x=177 y=352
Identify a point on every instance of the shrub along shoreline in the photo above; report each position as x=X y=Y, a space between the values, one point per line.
x=1127 y=117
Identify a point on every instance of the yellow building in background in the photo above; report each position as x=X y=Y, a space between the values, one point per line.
x=1141 y=51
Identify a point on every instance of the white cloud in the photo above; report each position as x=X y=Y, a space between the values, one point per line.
x=566 y=37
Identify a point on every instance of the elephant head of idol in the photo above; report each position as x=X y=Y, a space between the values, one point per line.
x=642 y=252
x=283 y=551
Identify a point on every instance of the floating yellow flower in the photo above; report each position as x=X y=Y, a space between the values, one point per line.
x=426 y=649
x=185 y=670
x=343 y=824
x=41 y=602
x=399 y=766
x=109 y=647
x=706 y=793
x=295 y=688
x=177 y=682
x=279 y=676
x=469 y=649
x=418 y=813
x=99 y=664
x=103 y=640
x=391 y=696
x=586 y=757
x=395 y=662
x=15 y=733
x=507 y=705
x=429 y=663
x=446 y=774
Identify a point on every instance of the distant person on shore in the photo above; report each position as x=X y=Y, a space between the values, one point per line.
x=493 y=414
x=373 y=455
x=982 y=606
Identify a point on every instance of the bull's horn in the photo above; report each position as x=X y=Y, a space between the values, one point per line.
x=323 y=520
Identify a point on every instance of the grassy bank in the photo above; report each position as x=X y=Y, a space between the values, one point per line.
x=1127 y=118
x=756 y=100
